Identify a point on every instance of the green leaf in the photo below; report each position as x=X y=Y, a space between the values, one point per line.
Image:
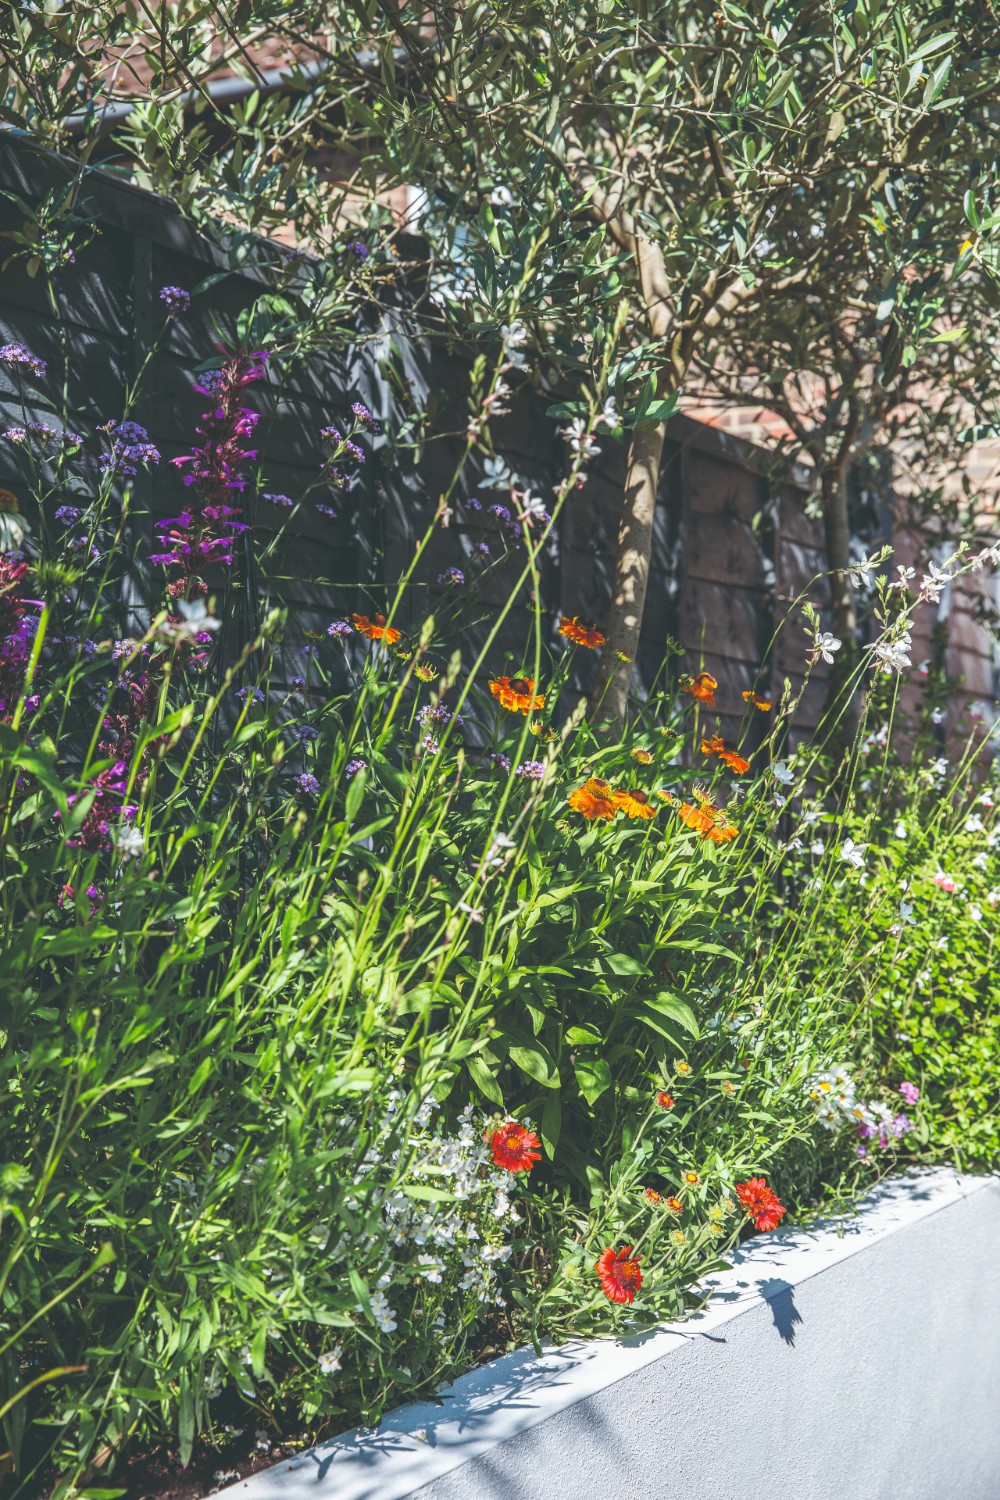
x=484 y=1080
x=551 y=1126
x=594 y=1077
x=675 y=1009
x=537 y=1062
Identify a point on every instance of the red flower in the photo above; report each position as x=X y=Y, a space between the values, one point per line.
x=514 y=1148
x=618 y=1274
x=665 y=1100
x=760 y=1203
x=581 y=632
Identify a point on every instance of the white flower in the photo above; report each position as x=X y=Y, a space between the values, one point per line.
x=939 y=767
x=893 y=656
x=609 y=417
x=906 y=912
x=981 y=860
x=330 y=1362
x=900 y=829
x=431 y=1268
x=860 y=573
x=382 y=1313
x=781 y=773
x=514 y=337
x=825 y=646
x=975 y=912
x=974 y=823
x=937 y=715
x=501 y=197
x=579 y=439
x=195 y=619
x=496 y=475
x=906 y=575
x=532 y=508
x=817 y=848
x=129 y=843
x=853 y=853
x=474 y=913
x=932 y=583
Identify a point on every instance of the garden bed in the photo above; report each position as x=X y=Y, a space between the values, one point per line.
x=839 y=1360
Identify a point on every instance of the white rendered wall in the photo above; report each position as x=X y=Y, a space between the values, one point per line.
x=853 y=1364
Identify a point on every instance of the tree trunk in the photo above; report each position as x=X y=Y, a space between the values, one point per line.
x=635 y=546
x=837 y=529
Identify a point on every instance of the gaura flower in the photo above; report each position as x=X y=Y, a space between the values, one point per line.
x=764 y=704
x=652 y=1196
x=702 y=688
x=582 y=632
x=675 y=1205
x=760 y=1203
x=513 y=1147
x=644 y=757
x=376 y=628
x=517 y=694
x=634 y=804
x=619 y=1274
x=717 y=746
x=594 y=799
x=665 y=1100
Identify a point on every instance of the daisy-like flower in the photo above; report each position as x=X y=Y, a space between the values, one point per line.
x=652 y=1196
x=513 y=1148
x=517 y=694
x=581 y=631
x=595 y=799
x=682 y=1067
x=541 y=731
x=665 y=1100
x=675 y=1205
x=634 y=804
x=716 y=745
x=644 y=757
x=702 y=688
x=760 y=1202
x=374 y=628
x=619 y=1274
x=425 y=672
x=763 y=704
x=691 y=1178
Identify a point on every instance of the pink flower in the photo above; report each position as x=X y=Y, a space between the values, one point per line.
x=946 y=882
x=910 y=1092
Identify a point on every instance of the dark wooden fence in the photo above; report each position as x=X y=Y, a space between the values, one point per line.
x=732 y=546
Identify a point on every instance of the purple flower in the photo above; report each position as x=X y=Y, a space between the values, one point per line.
x=283 y=500
x=296 y=683
x=901 y=1125
x=501 y=512
x=357 y=249
x=305 y=732
x=365 y=419
x=332 y=435
x=175 y=299
x=328 y=511
x=130 y=446
x=340 y=627
x=353 y=767
x=483 y=548
x=254 y=694
x=307 y=783
x=353 y=451
x=861 y=1152
x=16 y=354
x=436 y=714
x=499 y=759
x=452 y=576
x=531 y=770
x=68 y=515
x=472 y=503
x=910 y=1092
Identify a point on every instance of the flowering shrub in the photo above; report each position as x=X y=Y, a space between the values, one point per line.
x=350 y=1034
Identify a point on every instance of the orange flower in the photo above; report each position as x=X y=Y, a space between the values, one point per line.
x=722 y=831
x=644 y=757
x=691 y=1178
x=695 y=817
x=764 y=704
x=653 y=1196
x=717 y=746
x=517 y=694
x=675 y=1205
x=618 y=1274
x=594 y=799
x=582 y=632
x=760 y=1203
x=665 y=1100
x=513 y=1148
x=701 y=688
x=376 y=629
x=708 y=820
x=634 y=804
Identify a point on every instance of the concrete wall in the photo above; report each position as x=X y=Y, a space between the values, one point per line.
x=859 y=1361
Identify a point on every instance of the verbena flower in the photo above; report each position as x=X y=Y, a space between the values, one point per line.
x=353 y=767
x=68 y=515
x=254 y=694
x=339 y=627
x=452 y=576
x=531 y=770
x=130 y=449
x=175 y=299
x=365 y=419
x=16 y=355
x=619 y=1274
x=307 y=784
x=285 y=502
